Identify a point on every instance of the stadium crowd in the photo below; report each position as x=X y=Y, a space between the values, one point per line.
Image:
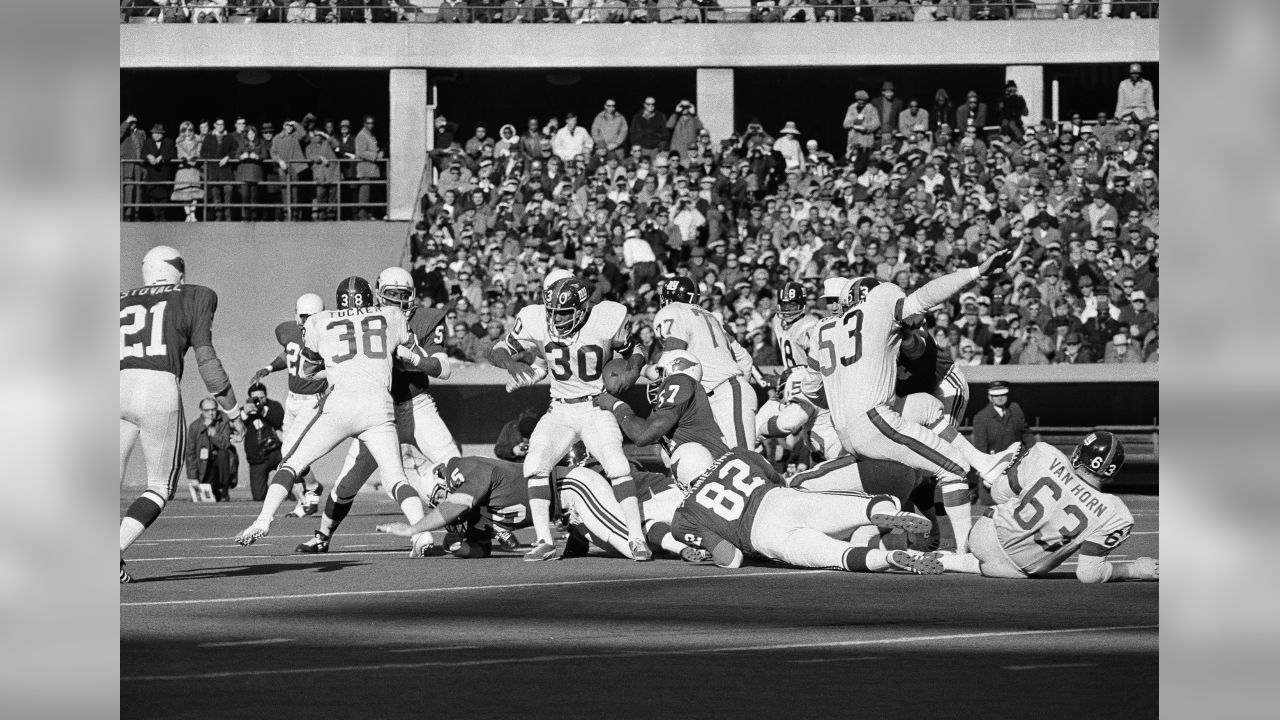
x=618 y=11
x=915 y=193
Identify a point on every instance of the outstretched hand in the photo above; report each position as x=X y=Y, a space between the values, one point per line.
x=1000 y=258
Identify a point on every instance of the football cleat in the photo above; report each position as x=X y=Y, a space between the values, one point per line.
x=999 y=463
x=542 y=551
x=317 y=544
x=423 y=544
x=640 y=551
x=901 y=520
x=125 y=577
x=251 y=534
x=695 y=555
x=915 y=562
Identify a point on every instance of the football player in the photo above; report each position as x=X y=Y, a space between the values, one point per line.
x=576 y=340
x=739 y=507
x=681 y=324
x=857 y=354
x=158 y=322
x=356 y=343
x=1048 y=509
x=418 y=423
x=304 y=392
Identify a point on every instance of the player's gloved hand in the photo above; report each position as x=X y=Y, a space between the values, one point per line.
x=396 y=528
x=605 y=401
x=1147 y=568
x=999 y=259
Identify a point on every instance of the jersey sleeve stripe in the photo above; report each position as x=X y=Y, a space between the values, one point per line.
x=914 y=445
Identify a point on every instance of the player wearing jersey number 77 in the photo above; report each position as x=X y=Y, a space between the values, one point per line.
x=857 y=355
x=576 y=340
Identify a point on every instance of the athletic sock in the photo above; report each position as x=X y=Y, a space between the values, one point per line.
x=410 y=502
x=334 y=513
x=624 y=490
x=277 y=491
x=540 y=507
x=965 y=563
x=142 y=512
x=956 y=502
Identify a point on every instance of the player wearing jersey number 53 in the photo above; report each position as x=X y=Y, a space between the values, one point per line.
x=682 y=325
x=158 y=322
x=857 y=355
x=357 y=344
x=576 y=339
x=1048 y=509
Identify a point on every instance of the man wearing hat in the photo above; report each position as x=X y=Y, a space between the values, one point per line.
x=288 y=156
x=862 y=121
x=888 y=107
x=788 y=145
x=1136 y=98
x=158 y=155
x=972 y=113
x=1073 y=351
x=1011 y=110
x=1001 y=423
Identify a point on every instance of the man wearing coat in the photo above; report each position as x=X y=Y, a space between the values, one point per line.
x=158 y=155
x=609 y=130
x=971 y=113
x=862 y=121
x=211 y=458
x=218 y=150
x=132 y=170
x=649 y=128
x=367 y=168
x=287 y=154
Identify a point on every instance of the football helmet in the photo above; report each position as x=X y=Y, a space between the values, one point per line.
x=568 y=303
x=679 y=288
x=354 y=292
x=832 y=290
x=790 y=302
x=308 y=305
x=672 y=362
x=1100 y=452
x=443 y=485
x=162 y=265
x=395 y=287
x=554 y=276
x=856 y=293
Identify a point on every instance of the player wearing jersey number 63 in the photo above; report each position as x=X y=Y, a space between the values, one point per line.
x=857 y=355
x=1049 y=508
x=575 y=339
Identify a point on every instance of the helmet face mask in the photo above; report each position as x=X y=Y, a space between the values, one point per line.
x=395 y=288
x=567 y=303
x=791 y=302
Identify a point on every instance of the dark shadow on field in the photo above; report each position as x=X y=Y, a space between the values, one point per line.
x=233 y=571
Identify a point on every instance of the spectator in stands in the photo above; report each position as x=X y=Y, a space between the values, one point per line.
x=1012 y=108
x=322 y=152
x=210 y=456
x=368 y=166
x=188 y=182
x=1073 y=351
x=862 y=121
x=972 y=113
x=648 y=129
x=1119 y=351
x=159 y=155
x=682 y=128
x=132 y=169
x=889 y=107
x=914 y=119
x=1136 y=98
x=251 y=151
x=572 y=140
x=789 y=147
x=288 y=156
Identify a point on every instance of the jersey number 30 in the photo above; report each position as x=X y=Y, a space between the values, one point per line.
x=728 y=504
x=590 y=361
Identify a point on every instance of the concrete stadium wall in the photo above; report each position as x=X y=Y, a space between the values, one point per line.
x=726 y=45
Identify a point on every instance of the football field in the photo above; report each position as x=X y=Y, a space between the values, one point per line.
x=213 y=630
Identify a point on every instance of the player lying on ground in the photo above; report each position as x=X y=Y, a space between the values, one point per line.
x=357 y=343
x=1048 y=509
x=739 y=508
x=158 y=322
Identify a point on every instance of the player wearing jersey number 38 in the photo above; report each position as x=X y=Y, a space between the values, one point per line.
x=1049 y=508
x=575 y=339
x=158 y=322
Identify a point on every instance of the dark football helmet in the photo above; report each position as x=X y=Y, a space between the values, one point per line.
x=354 y=292
x=568 y=302
x=679 y=288
x=857 y=293
x=791 y=299
x=1100 y=452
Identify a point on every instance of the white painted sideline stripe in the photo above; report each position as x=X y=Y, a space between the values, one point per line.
x=468 y=588
x=433 y=649
x=238 y=643
x=634 y=653
x=838 y=659
x=1048 y=667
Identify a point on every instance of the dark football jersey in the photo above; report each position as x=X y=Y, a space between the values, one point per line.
x=724 y=501
x=649 y=484
x=923 y=374
x=289 y=335
x=496 y=485
x=683 y=398
x=427 y=325
x=159 y=322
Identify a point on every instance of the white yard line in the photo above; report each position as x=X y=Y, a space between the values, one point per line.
x=839 y=659
x=543 y=659
x=433 y=649
x=1049 y=667
x=239 y=643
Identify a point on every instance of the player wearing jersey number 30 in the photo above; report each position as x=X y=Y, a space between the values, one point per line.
x=158 y=322
x=576 y=339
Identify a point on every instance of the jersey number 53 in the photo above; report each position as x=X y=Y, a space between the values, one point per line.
x=828 y=361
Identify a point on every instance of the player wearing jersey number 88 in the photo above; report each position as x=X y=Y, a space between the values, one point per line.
x=158 y=322
x=682 y=325
x=576 y=340
x=1049 y=508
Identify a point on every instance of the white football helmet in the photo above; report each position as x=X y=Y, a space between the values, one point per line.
x=672 y=362
x=555 y=275
x=395 y=287
x=308 y=305
x=833 y=289
x=688 y=462
x=162 y=265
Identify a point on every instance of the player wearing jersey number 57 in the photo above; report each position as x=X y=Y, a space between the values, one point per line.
x=857 y=355
x=357 y=344
x=682 y=325
x=158 y=322
x=1049 y=508
x=576 y=339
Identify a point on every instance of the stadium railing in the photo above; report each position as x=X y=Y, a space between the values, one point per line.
x=705 y=11
x=281 y=192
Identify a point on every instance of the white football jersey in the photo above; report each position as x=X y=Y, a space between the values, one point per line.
x=705 y=337
x=793 y=342
x=358 y=345
x=575 y=364
x=1046 y=512
x=857 y=353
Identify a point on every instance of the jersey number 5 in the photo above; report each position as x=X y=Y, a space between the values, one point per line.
x=728 y=504
x=134 y=320
x=372 y=328
x=828 y=364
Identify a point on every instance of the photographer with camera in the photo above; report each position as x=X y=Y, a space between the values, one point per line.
x=684 y=126
x=263 y=422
